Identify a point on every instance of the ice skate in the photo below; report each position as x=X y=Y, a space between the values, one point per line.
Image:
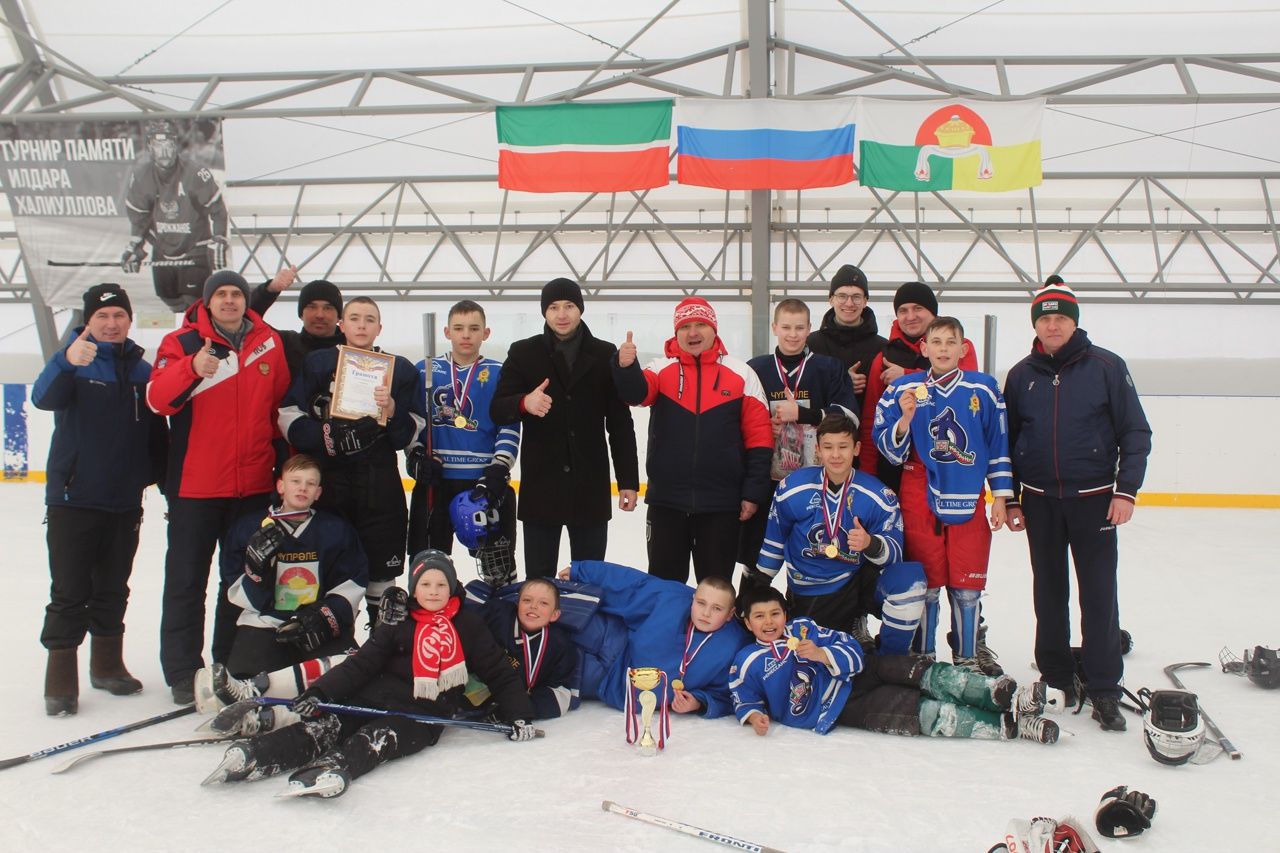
x=323 y=779
x=237 y=763
x=1036 y=729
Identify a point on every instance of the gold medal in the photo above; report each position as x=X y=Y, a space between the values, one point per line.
x=831 y=551
x=793 y=643
x=677 y=684
x=922 y=393
x=460 y=422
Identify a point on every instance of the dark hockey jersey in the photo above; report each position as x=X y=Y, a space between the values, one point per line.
x=174 y=211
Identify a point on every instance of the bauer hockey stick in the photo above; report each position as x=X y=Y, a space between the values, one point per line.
x=358 y=711
x=179 y=262
x=1172 y=671
x=142 y=747
x=688 y=829
x=95 y=738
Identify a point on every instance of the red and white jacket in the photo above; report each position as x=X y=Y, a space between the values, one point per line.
x=710 y=440
x=223 y=434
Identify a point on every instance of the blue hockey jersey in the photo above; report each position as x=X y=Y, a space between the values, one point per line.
x=652 y=616
x=466 y=449
x=319 y=560
x=960 y=433
x=769 y=679
x=796 y=539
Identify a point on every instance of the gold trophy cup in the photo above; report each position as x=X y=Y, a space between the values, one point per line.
x=645 y=679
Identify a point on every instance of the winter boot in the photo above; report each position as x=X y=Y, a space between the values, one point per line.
x=62 y=683
x=1033 y=728
x=216 y=688
x=183 y=690
x=858 y=630
x=326 y=777
x=106 y=667
x=1106 y=710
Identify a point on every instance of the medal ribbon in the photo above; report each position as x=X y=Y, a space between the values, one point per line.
x=782 y=375
x=832 y=525
x=685 y=657
x=461 y=391
x=532 y=663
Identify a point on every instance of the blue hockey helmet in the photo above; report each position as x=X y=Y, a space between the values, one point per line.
x=472 y=518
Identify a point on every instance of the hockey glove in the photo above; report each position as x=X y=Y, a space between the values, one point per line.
x=1124 y=813
x=426 y=470
x=394 y=607
x=260 y=552
x=218 y=248
x=521 y=731
x=494 y=481
x=134 y=255
x=348 y=437
x=310 y=627
x=307 y=705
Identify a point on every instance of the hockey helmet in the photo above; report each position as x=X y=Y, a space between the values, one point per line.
x=472 y=518
x=1262 y=665
x=162 y=140
x=1172 y=726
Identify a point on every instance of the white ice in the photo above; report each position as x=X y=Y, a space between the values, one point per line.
x=1192 y=581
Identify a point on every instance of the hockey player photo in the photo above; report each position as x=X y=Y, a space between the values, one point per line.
x=175 y=207
x=419 y=666
x=805 y=676
x=838 y=533
x=948 y=430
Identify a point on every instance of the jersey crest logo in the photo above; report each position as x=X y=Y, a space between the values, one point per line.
x=169 y=209
x=950 y=442
x=800 y=691
x=974 y=405
x=483 y=376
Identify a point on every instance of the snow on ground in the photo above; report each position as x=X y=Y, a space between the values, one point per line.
x=1191 y=581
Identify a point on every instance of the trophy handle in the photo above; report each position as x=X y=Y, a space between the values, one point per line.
x=648 y=702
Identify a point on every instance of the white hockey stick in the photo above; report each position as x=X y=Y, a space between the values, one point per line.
x=726 y=840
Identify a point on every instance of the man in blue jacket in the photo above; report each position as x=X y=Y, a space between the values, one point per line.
x=1079 y=441
x=107 y=447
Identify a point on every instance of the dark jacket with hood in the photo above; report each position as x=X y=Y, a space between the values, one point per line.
x=850 y=345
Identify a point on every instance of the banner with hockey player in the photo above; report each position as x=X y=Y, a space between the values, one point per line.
x=136 y=202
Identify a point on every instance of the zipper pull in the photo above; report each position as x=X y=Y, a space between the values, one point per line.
x=1055 y=380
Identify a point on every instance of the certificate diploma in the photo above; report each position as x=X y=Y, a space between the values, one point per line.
x=358 y=374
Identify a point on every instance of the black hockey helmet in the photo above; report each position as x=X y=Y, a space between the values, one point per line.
x=1172 y=726
x=1262 y=665
x=159 y=128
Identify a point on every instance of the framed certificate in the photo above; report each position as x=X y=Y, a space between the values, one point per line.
x=358 y=374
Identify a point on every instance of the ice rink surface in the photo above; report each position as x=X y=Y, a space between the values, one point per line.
x=1192 y=581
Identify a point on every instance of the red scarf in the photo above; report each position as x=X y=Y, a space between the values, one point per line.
x=438 y=661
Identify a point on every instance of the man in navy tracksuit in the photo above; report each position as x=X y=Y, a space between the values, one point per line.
x=107 y=447
x=1079 y=441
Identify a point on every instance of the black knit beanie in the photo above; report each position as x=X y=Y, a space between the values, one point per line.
x=561 y=288
x=320 y=291
x=849 y=276
x=106 y=295
x=432 y=558
x=221 y=279
x=916 y=293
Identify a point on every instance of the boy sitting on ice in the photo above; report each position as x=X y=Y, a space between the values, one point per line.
x=810 y=677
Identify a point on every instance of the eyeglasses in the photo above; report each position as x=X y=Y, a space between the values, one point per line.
x=843 y=298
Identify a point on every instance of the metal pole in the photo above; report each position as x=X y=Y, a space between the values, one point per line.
x=989 y=344
x=429 y=335
x=761 y=212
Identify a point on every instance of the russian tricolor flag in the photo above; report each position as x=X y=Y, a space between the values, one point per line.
x=765 y=143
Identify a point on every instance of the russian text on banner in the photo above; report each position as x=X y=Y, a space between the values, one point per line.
x=765 y=143
x=584 y=147
x=918 y=146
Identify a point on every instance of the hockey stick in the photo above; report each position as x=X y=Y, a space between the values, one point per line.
x=687 y=829
x=95 y=738
x=177 y=262
x=1172 y=671
x=359 y=711
x=142 y=747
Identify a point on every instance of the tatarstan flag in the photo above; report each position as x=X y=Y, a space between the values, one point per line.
x=584 y=147
x=920 y=146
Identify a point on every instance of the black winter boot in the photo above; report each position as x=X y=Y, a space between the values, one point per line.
x=62 y=683
x=106 y=667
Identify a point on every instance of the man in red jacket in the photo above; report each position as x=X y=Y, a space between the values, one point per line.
x=710 y=444
x=219 y=379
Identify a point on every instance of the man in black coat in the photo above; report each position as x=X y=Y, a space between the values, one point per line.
x=849 y=332
x=319 y=309
x=559 y=386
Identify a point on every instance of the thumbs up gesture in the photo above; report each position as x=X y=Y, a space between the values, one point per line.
x=81 y=352
x=204 y=362
x=859 y=539
x=627 y=352
x=538 y=402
